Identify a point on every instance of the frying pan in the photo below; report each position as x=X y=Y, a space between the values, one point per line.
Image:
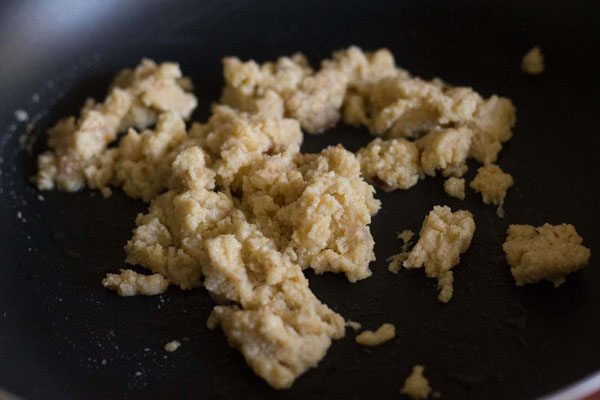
x=63 y=336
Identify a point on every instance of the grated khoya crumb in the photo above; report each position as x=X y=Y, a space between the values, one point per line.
x=396 y=261
x=492 y=183
x=549 y=252
x=130 y=283
x=354 y=325
x=416 y=385
x=172 y=346
x=533 y=61
x=455 y=187
x=444 y=236
x=383 y=334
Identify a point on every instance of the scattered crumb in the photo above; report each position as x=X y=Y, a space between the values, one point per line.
x=533 y=61
x=406 y=235
x=390 y=164
x=445 y=286
x=443 y=238
x=106 y=192
x=445 y=149
x=130 y=283
x=455 y=187
x=172 y=345
x=354 y=325
x=40 y=197
x=548 y=252
x=21 y=115
x=19 y=215
x=416 y=385
x=384 y=333
x=395 y=261
x=492 y=183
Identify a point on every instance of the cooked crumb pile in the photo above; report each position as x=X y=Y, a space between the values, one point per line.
x=383 y=334
x=549 y=252
x=135 y=99
x=416 y=385
x=236 y=207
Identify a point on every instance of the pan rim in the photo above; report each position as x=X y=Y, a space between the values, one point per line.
x=582 y=389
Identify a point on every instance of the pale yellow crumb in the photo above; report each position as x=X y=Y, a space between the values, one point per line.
x=383 y=334
x=406 y=235
x=395 y=261
x=416 y=385
x=533 y=61
x=445 y=149
x=390 y=164
x=106 y=192
x=549 y=252
x=492 y=183
x=78 y=145
x=444 y=236
x=172 y=346
x=130 y=283
x=455 y=187
x=236 y=207
x=354 y=325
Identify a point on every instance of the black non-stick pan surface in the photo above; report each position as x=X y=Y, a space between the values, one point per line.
x=63 y=336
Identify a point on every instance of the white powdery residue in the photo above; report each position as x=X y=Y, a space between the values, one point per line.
x=35 y=97
x=138 y=373
x=21 y=115
x=40 y=197
x=19 y=214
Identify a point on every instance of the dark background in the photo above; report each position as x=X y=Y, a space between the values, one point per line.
x=63 y=336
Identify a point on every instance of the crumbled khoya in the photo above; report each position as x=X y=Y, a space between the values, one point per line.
x=549 y=252
x=234 y=206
